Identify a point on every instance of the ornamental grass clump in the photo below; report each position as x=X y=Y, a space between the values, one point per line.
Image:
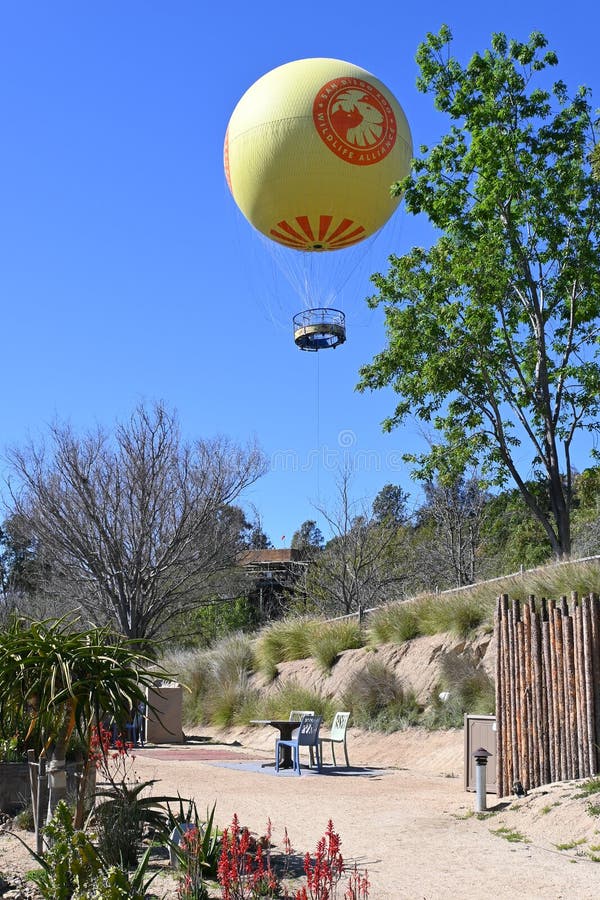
x=219 y=690
x=332 y=638
x=395 y=623
x=458 y=614
x=378 y=701
x=293 y=695
x=464 y=687
x=285 y=641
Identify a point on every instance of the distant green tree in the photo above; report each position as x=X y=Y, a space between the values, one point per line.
x=493 y=332
x=308 y=538
x=19 y=564
x=212 y=621
x=511 y=537
x=389 y=506
x=586 y=516
x=255 y=538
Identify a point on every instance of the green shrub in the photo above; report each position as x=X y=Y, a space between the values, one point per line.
x=209 y=623
x=378 y=701
x=332 y=639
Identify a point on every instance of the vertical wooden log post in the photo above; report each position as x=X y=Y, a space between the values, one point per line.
x=506 y=697
x=570 y=694
x=539 y=714
x=548 y=690
x=595 y=614
x=500 y=686
x=554 y=737
x=590 y=755
x=515 y=712
x=580 y=687
x=526 y=693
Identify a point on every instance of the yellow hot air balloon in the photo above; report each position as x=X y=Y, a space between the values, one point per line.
x=311 y=151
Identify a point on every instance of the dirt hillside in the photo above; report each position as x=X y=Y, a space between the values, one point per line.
x=417 y=664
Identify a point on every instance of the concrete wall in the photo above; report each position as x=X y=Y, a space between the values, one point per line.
x=164 y=721
x=15 y=790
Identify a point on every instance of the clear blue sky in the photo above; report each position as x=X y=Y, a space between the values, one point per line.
x=126 y=272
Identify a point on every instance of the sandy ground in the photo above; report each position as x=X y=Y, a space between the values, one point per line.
x=402 y=814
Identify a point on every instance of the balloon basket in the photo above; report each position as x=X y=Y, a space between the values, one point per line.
x=319 y=329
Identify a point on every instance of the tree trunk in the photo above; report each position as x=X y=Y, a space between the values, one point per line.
x=57 y=764
x=57 y=779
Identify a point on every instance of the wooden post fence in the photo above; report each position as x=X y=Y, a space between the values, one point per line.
x=547 y=690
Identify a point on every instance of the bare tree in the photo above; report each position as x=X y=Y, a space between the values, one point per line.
x=362 y=565
x=135 y=527
x=456 y=513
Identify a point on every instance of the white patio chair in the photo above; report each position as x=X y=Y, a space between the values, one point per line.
x=337 y=735
x=308 y=736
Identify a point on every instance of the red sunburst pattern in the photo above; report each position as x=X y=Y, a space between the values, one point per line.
x=302 y=233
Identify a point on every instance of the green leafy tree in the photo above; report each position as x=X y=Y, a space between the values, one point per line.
x=586 y=517
x=493 y=331
x=255 y=537
x=511 y=537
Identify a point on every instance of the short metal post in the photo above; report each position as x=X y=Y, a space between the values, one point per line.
x=481 y=757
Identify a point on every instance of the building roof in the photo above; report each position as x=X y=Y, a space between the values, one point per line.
x=269 y=557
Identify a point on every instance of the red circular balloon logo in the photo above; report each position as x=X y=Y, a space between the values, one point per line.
x=355 y=120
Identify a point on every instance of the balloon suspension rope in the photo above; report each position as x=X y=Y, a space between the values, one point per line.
x=318 y=426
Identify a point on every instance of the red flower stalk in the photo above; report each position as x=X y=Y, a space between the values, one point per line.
x=244 y=869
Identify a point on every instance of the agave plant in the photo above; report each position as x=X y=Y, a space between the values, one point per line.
x=64 y=680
